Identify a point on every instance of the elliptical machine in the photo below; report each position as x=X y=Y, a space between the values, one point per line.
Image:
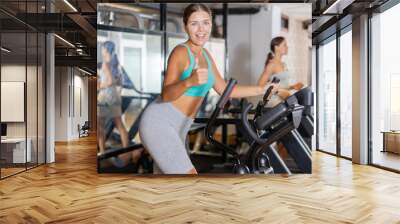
x=305 y=97
x=239 y=162
x=277 y=124
x=268 y=126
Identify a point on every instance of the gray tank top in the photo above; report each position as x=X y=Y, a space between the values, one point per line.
x=284 y=78
x=110 y=95
x=284 y=83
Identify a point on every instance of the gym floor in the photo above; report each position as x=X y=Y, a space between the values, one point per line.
x=71 y=191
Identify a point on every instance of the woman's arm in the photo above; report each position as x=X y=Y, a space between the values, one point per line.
x=262 y=81
x=239 y=91
x=296 y=86
x=173 y=87
x=107 y=76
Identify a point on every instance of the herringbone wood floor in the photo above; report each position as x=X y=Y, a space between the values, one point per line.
x=70 y=191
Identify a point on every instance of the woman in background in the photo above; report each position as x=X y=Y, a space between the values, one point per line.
x=275 y=67
x=109 y=103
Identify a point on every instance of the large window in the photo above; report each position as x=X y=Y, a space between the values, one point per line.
x=327 y=97
x=385 y=89
x=346 y=94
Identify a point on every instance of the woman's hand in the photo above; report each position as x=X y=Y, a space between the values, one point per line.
x=199 y=75
x=297 y=86
x=283 y=93
x=275 y=87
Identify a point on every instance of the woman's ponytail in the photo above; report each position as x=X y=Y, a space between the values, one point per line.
x=270 y=56
x=274 y=42
x=114 y=63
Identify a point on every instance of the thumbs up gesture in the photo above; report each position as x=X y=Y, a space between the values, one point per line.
x=199 y=75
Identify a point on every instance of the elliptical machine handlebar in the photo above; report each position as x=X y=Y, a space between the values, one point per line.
x=227 y=92
x=267 y=94
x=211 y=123
x=260 y=106
x=247 y=126
x=259 y=109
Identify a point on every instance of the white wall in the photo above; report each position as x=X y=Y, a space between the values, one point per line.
x=33 y=126
x=299 y=53
x=314 y=89
x=61 y=103
x=239 y=48
x=16 y=73
x=265 y=26
x=79 y=117
x=248 y=42
x=70 y=84
x=249 y=38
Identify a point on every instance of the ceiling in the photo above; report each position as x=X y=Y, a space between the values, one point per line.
x=79 y=27
x=299 y=11
x=72 y=20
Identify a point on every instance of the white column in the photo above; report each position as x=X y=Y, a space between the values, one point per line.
x=314 y=89
x=50 y=94
x=360 y=90
x=265 y=25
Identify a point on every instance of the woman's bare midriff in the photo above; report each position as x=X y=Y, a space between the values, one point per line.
x=188 y=105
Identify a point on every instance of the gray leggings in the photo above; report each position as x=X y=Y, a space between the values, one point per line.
x=163 y=130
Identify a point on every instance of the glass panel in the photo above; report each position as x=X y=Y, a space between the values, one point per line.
x=385 y=84
x=13 y=86
x=346 y=94
x=327 y=97
x=31 y=98
x=41 y=99
x=135 y=67
x=174 y=18
x=137 y=54
x=129 y=16
x=173 y=41
x=32 y=85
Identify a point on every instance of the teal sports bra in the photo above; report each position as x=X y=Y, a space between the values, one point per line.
x=200 y=90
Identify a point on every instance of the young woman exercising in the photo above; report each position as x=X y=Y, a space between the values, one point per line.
x=274 y=67
x=191 y=73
